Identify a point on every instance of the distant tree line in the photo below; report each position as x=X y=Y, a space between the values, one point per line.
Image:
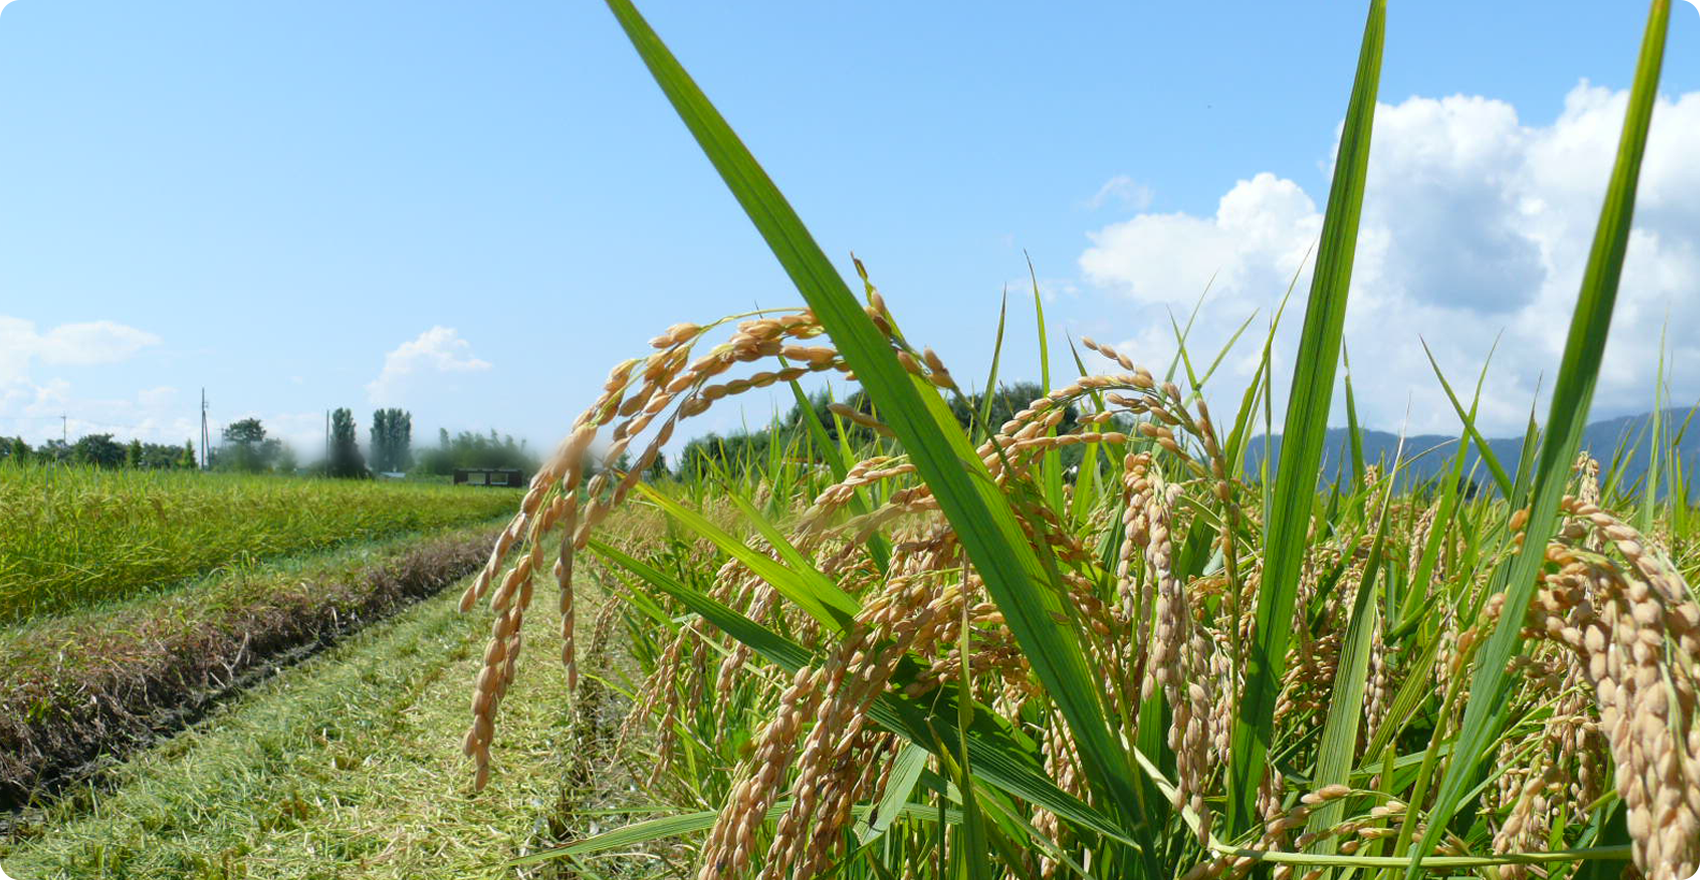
x=247 y=447
x=471 y=450
x=102 y=451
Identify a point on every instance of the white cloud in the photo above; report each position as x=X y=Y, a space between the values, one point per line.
x=1121 y=190
x=33 y=409
x=436 y=352
x=86 y=344
x=1020 y=288
x=1474 y=223
x=157 y=414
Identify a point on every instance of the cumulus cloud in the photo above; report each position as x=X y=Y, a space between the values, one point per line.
x=86 y=344
x=32 y=408
x=160 y=414
x=437 y=352
x=1474 y=224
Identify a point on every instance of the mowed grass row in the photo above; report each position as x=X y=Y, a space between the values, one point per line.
x=345 y=766
x=74 y=537
x=98 y=684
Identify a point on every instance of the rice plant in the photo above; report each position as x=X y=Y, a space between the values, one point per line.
x=74 y=537
x=938 y=652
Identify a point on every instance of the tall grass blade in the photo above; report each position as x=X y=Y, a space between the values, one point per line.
x=1500 y=477
x=1305 y=433
x=1021 y=584
x=1655 y=444
x=1572 y=395
x=1353 y=432
x=1051 y=461
x=1039 y=326
x=983 y=426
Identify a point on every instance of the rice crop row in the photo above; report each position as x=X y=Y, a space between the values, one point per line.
x=72 y=537
x=939 y=653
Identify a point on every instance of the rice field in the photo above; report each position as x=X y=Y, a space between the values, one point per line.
x=71 y=537
x=1116 y=635
x=939 y=653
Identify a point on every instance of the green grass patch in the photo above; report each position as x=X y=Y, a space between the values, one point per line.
x=348 y=765
x=99 y=683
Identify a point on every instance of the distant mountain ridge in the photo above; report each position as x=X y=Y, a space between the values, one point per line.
x=1426 y=455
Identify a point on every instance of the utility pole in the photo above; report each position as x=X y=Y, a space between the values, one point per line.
x=204 y=460
x=64 y=428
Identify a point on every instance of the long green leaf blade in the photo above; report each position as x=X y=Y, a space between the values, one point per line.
x=1571 y=398
x=1305 y=432
x=1500 y=477
x=1019 y=582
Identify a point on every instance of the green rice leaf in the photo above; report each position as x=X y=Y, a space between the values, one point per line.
x=1572 y=396
x=1500 y=477
x=905 y=772
x=1305 y=432
x=983 y=426
x=1353 y=432
x=1023 y=586
x=802 y=583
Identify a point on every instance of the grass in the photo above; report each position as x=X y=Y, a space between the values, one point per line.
x=338 y=768
x=101 y=683
x=73 y=537
x=1152 y=669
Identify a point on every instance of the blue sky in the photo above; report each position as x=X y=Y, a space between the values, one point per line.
x=473 y=210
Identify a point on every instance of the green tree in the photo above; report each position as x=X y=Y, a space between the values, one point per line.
x=392 y=439
x=186 y=461
x=17 y=451
x=133 y=454
x=285 y=462
x=54 y=451
x=99 y=450
x=159 y=456
x=380 y=444
x=247 y=431
x=345 y=460
x=469 y=450
x=246 y=447
x=401 y=442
